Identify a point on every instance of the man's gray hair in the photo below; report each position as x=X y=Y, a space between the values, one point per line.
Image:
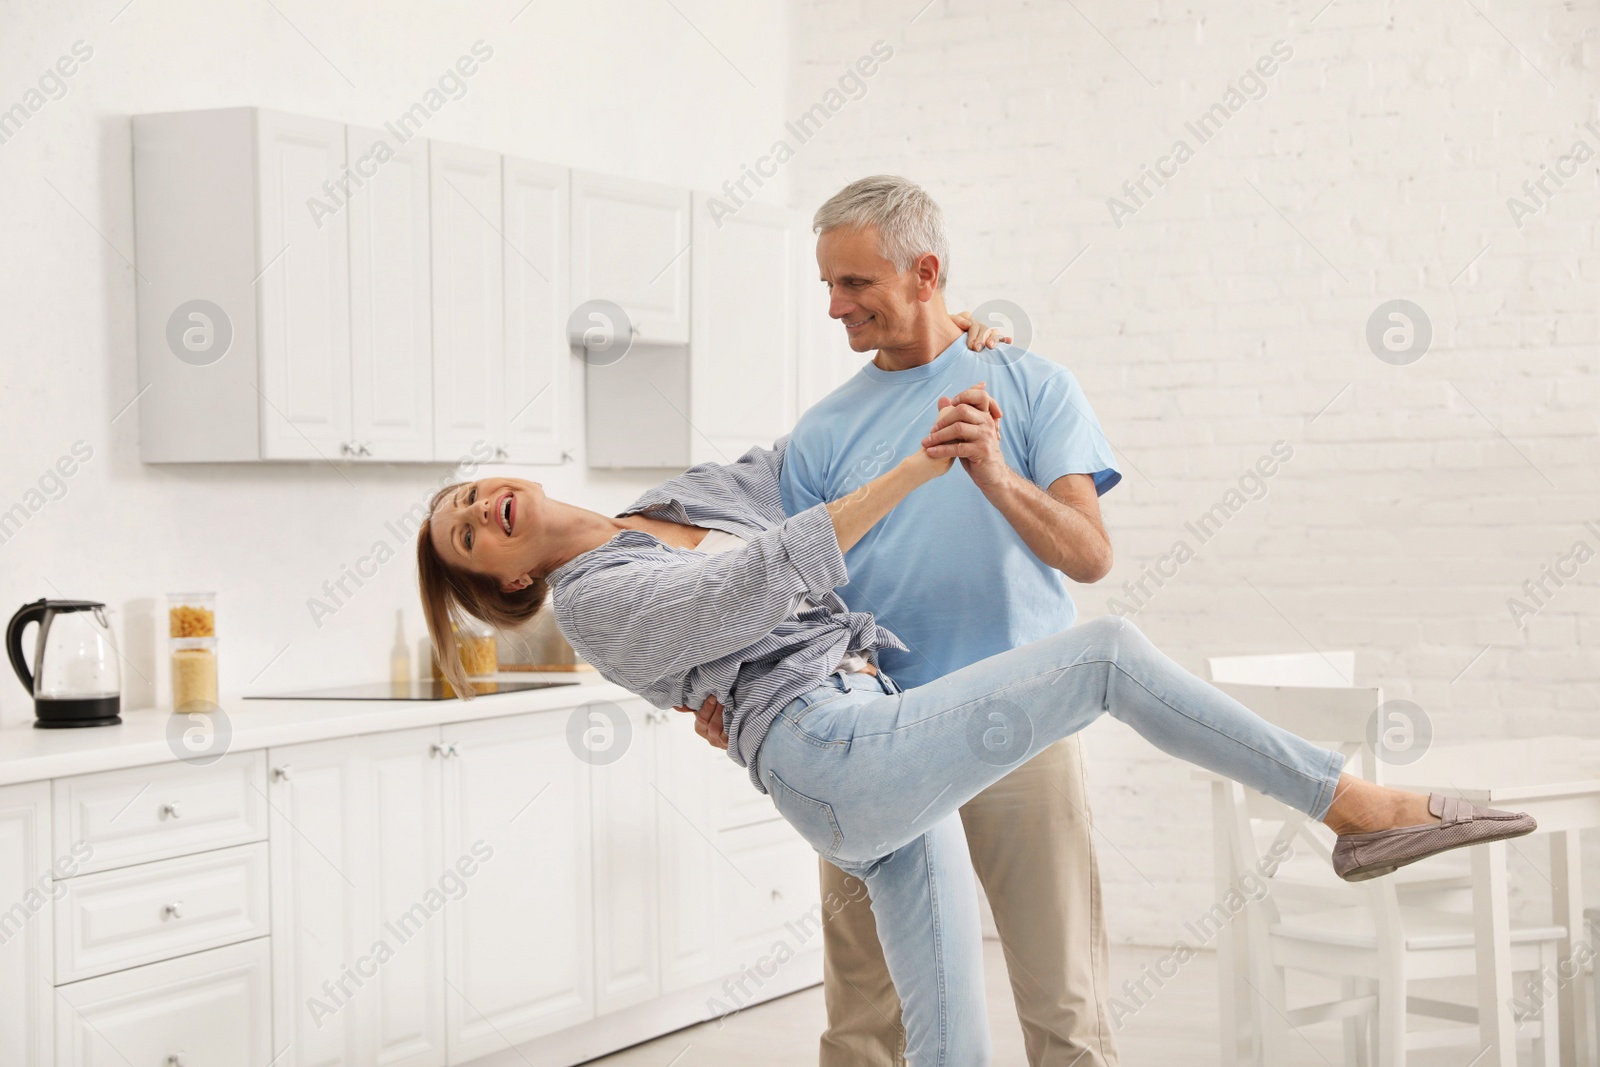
x=909 y=223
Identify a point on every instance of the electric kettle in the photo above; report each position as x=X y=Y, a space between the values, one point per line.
x=74 y=680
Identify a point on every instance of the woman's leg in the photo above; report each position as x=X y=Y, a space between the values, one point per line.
x=885 y=768
x=925 y=902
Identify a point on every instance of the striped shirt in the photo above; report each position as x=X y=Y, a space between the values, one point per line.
x=676 y=626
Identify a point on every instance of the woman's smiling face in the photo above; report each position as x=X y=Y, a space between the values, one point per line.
x=490 y=527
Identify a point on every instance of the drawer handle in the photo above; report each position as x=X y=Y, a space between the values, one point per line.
x=171 y=811
x=444 y=751
x=173 y=910
x=175 y=1060
x=282 y=774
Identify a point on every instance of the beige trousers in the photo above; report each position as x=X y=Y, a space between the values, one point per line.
x=1030 y=835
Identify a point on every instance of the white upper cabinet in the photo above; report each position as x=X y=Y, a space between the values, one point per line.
x=244 y=295
x=468 y=301
x=284 y=302
x=303 y=294
x=316 y=292
x=391 y=328
x=537 y=356
x=631 y=246
x=746 y=291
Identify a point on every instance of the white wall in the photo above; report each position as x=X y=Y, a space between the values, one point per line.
x=628 y=88
x=1229 y=311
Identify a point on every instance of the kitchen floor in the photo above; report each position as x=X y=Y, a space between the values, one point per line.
x=1175 y=1028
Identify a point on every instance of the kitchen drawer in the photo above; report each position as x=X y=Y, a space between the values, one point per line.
x=211 y=1009
x=166 y=809
x=133 y=915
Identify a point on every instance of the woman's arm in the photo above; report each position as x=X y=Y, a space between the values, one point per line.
x=656 y=616
x=860 y=511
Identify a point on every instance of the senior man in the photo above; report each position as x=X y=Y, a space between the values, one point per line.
x=958 y=581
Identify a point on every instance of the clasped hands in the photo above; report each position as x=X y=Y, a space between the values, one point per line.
x=967 y=428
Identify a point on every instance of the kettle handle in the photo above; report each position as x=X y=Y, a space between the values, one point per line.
x=34 y=612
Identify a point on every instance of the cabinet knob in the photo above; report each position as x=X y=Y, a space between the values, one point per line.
x=365 y=451
x=777 y=895
x=171 y=810
x=445 y=750
x=500 y=452
x=568 y=455
x=345 y=449
x=173 y=910
x=282 y=774
x=176 y=1060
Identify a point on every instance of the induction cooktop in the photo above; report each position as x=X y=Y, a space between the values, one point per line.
x=404 y=691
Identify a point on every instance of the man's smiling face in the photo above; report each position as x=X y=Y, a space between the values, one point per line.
x=877 y=303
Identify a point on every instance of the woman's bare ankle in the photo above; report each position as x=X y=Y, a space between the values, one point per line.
x=1362 y=807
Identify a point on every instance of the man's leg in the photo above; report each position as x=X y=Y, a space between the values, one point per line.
x=1031 y=840
x=863 y=1010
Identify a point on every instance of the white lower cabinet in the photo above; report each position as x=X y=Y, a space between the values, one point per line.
x=691 y=777
x=27 y=890
x=697 y=877
x=153 y=911
x=628 y=891
x=520 y=931
x=359 y=885
x=209 y=1008
x=571 y=881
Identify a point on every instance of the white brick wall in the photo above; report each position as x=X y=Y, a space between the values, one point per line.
x=1207 y=327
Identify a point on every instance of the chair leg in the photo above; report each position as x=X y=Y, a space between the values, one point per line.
x=1547 y=1046
x=1392 y=1015
x=1274 y=1016
x=1355 y=1053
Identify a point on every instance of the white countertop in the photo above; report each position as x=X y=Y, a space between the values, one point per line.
x=28 y=754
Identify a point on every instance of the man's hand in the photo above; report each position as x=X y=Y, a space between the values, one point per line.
x=968 y=428
x=708 y=722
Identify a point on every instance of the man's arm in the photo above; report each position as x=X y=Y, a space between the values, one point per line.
x=1062 y=526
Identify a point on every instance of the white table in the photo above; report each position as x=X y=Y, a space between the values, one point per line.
x=1557 y=781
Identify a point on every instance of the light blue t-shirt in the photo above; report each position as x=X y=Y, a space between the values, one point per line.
x=944 y=570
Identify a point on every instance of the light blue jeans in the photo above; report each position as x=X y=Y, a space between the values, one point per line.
x=872 y=777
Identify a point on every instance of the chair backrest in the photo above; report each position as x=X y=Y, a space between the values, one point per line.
x=1339 y=717
x=1325 y=669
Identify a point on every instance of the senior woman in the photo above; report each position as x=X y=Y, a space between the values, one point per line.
x=704 y=588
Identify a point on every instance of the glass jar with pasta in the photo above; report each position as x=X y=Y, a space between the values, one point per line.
x=192 y=641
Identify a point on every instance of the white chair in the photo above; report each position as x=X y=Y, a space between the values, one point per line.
x=1369 y=935
x=1592 y=920
x=1445 y=883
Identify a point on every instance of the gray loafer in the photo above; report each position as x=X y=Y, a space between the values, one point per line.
x=1357 y=857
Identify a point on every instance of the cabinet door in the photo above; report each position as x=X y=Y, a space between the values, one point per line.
x=626 y=957
x=468 y=301
x=742 y=370
x=25 y=927
x=303 y=290
x=391 y=329
x=210 y=1008
x=359 y=883
x=537 y=353
x=630 y=245
x=519 y=937
x=691 y=776
x=775 y=896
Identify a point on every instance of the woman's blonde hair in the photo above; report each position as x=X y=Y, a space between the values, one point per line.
x=448 y=593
